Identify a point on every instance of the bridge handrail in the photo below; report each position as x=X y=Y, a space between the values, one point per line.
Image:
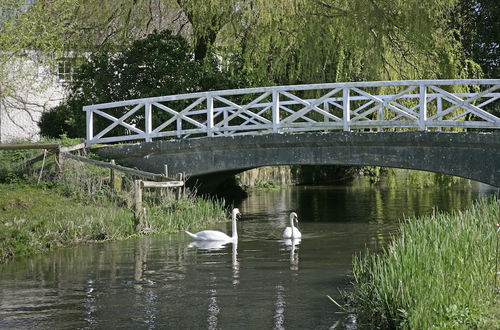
x=339 y=107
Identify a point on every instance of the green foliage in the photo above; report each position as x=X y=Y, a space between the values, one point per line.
x=477 y=23
x=28 y=32
x=317 y=41
x=436 y=274
x=266 y=184
x=160 y=64
x=168 y=214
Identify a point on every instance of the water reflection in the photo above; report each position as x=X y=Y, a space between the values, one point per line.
x=235 y=264
x=292 y=246
x=221 y=245
x=165 y=281
x=213 y=308
x=208 y=245
x=279 y=313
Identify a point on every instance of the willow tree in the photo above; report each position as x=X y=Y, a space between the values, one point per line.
x=295 y=41
x=317 y=41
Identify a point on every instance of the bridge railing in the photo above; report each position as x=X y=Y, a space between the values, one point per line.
x=361 y=106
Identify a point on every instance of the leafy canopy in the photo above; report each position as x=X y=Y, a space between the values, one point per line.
x=160 y=64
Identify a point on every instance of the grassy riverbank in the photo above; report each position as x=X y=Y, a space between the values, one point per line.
x=42 y=208
x=437 y=273
x=35 y=219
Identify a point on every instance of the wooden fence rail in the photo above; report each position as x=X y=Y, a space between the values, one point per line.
x=128 y=170
x=29 y=146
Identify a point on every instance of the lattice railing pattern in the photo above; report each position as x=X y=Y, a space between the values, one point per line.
x=355 y=106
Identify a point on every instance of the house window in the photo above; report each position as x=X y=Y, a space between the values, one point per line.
x=66 y=67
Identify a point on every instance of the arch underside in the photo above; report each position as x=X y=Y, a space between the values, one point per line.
x=474 y=156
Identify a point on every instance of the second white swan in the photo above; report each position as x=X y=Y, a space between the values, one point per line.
x=292 y=231
x=215 y=235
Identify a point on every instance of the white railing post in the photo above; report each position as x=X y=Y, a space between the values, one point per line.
x=224 y=116
x=148 y=122
x=90 y=126
x=210 y=115
x=381 y=116
x=179 y=127
x=422 y=120
x=276 y=111
x=439 y=105
x=326 y=107
x=346 y=108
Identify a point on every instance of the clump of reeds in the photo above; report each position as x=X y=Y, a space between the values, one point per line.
x=437 y=273
x=188 y=212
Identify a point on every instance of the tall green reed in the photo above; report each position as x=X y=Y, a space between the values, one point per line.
x=437 y=273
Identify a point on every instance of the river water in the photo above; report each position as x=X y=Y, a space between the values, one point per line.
x=164 y=282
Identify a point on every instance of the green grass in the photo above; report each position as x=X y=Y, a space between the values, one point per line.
x=42 y=209
x=35 y=219
x=436 y=274
x=170 y=215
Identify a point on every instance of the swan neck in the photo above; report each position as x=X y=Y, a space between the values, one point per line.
x=292 y=227
x=234 y=231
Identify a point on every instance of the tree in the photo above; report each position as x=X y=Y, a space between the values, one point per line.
x=299 y=41
x=477 y=26
x=160 y=64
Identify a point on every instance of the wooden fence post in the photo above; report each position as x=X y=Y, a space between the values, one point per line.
x=179 y=190
x=139 y=214
x=58 y=159
x=184 y=185
x=112 y=176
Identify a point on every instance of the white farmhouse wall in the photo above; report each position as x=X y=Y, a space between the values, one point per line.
x=36 y=90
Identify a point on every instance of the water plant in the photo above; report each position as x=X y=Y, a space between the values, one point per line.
x=437 y=273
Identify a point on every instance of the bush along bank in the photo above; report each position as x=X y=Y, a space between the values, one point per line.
x=439 y=272
x=42 y=209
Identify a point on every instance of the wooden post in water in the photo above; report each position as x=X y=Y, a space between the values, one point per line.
x=139 y=214
x=112 y=176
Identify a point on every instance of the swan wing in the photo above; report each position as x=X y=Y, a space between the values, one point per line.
x=296 y=233
x=287 y=233
x=211 y=235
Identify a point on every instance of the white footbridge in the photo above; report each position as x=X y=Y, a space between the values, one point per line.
x=378 y=106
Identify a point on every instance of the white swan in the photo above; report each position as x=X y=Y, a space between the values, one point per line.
x=215 y=235
x=292 y=232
